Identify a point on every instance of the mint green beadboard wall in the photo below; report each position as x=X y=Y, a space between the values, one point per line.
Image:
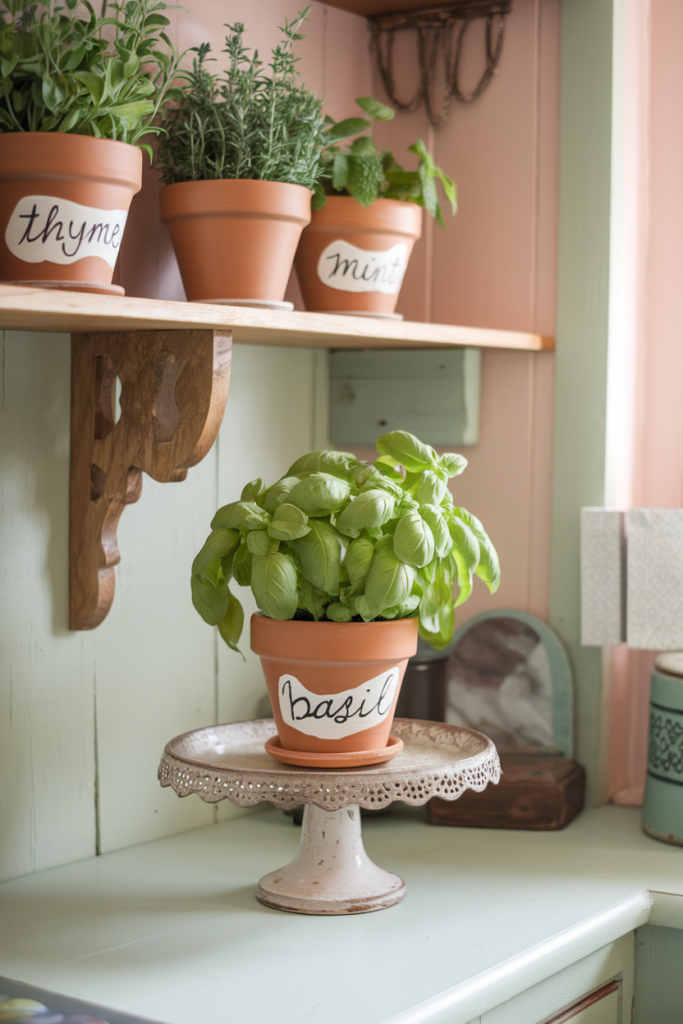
x=84 y=716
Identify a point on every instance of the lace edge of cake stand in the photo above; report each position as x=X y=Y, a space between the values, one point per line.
x=371 y=792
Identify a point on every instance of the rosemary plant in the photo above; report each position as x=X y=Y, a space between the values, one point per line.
x=103 y=76
x=366 y=173
x=245 y=122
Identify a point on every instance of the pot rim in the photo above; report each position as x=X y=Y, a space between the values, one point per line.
x=239 y=182
x=299 y=639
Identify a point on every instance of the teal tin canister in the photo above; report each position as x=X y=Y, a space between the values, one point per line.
x=663 y=802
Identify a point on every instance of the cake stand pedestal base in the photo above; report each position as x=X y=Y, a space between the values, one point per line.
x=331 y=873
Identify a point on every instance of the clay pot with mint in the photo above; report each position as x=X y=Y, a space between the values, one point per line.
x=367 y=215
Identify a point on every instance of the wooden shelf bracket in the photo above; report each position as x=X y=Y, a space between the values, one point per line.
x=173 y=389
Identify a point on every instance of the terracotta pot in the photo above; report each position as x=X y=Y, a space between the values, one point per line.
x=64 y=200
x=329 y=677
x=352 y=258
x=235 y=239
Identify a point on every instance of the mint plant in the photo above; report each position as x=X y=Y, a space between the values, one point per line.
x=246 y=122
x=85 y=75
x=366 y=173
x=342 y=540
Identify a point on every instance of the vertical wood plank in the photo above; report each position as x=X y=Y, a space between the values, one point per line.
x=47 y=798
x=155 y=661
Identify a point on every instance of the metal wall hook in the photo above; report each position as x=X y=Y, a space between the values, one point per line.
x=437 y=29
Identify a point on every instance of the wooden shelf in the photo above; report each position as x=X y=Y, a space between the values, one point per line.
x=36 y=309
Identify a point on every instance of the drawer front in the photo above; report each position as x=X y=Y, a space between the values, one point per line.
x=597 y=989
x=601 y=1007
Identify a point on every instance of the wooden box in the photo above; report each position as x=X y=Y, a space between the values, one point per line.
x=535 y=793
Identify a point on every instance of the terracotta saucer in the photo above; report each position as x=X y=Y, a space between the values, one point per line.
x=348 y=759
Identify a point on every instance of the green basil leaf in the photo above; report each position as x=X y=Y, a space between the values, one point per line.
x=453 y=464
x=405 y=610
x=260 y=542
x=319 y=494
x=385 y=484
x=241 y=567
x=279 y=493
x=241 y=515
x=369 y=510
x=338 y=612
x=389 y=580
x=320 y=554
x=254 y=491
x=289 y=523
x=311 y=599
x=273 y=582
x=217 y=544
x=341 y=464
x=358 y=559
x=432 y=489
x=211 y=601
x=443 y=542
x=466 y=553
x=231 y=626
x=488 y=568
x=288 y=513
x=413 y=541
x=363 y=609
x=437 y=612
x=407 y=450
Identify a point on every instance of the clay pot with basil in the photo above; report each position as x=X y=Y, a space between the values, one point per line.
x=352 y=258
x=333 y=687
x=235 y=239
x=64 y=201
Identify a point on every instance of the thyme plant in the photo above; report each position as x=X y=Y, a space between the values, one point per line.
x=103 y=76
x=342 y=540
x=246 y=122
x=366 y=173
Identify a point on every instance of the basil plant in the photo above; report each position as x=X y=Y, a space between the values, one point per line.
x=341 y=540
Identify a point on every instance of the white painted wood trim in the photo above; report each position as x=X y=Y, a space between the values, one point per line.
x=489 y=989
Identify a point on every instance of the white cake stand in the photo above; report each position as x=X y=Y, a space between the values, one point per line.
x=331 y=873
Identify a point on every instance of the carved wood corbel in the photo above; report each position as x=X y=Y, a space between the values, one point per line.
x=174 y=386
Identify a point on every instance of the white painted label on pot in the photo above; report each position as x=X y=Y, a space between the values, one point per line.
x=332 y=716
x=349 y=269
x=46 y=228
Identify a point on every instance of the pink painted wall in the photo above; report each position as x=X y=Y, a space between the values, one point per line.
x=657 y=472
x=495 y=266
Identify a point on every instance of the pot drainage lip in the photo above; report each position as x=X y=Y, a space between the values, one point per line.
x=346 y=759
x=286 y=307
x=359 y=312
